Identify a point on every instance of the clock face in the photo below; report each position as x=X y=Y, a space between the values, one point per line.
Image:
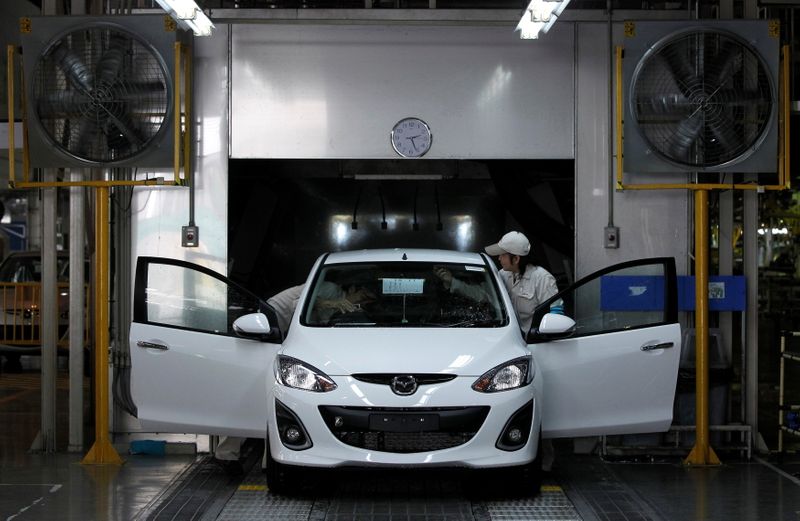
x=411 y=137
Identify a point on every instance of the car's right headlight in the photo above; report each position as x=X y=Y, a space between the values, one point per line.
x=297 y=374
x=510 y=375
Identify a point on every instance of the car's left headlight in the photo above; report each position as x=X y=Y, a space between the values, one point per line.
x=510 y=375
x=297 y=374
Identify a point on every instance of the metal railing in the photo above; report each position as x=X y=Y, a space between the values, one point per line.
x=20 y=314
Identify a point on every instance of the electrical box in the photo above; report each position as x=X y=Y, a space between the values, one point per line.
x=612 y=237
x=190 y=236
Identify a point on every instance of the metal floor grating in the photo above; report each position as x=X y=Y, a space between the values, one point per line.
x=378 y=496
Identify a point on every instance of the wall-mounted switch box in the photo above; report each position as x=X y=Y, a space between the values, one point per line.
x=612 y=237
x=190 y=236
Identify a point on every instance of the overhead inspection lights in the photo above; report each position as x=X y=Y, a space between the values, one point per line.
x=188 y=15
x=539 y=17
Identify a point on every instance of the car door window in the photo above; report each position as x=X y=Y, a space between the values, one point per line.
x=627 y=296
x=187 y=298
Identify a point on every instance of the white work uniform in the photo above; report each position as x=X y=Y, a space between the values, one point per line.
x=527 y=291
x=284 y=304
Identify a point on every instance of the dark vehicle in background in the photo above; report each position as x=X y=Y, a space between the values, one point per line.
x=20 y=301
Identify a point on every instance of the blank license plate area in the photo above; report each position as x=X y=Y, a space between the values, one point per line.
x=394 y=422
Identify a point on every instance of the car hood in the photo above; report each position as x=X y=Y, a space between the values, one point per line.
x=460 y=351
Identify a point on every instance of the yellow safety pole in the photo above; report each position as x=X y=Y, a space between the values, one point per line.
x=102 y=452
x=10 y=92
x=702 y=453
x=176 y=114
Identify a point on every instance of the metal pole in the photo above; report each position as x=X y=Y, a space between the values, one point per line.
x=48 y=320
x=102 y=452
x=702 y=453
x=76 y=313
x=750 y=240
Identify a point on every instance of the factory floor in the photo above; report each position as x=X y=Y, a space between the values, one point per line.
x=155 y=486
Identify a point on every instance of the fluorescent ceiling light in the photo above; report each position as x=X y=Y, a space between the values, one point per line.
x=539 y=17
x=188 y=15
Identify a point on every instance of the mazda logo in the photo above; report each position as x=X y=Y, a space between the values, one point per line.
x=404 y=385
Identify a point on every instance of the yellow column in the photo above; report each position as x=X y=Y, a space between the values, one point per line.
x=702 y=453
x=102 y=452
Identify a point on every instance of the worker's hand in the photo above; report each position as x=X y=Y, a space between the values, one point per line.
x=445 y=275
x=341 y=305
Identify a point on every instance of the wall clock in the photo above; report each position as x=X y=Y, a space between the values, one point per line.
x=411 y=137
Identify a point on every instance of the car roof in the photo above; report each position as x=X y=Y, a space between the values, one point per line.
x=411 y=254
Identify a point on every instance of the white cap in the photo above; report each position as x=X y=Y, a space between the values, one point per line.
x=514 y=243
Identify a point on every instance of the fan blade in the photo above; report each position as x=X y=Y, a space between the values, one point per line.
x=685 y=135
x=128 y=132
x=111 y=62
x=668 y=104
x=82 y=137
x=75 y=70
x=739 y=97
x=730 y=60
x=140 y=92
x=682 y=73
x=61 y=103
x=725 y=135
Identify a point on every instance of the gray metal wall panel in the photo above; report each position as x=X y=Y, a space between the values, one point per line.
x=652 y=223
x=334 y=91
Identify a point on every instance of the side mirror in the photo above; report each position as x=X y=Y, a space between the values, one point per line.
x=556 y=324
x=552 y=326
x=253 y=325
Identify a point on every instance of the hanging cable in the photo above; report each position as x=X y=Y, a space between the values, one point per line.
x=354 y=224
x=384 y=225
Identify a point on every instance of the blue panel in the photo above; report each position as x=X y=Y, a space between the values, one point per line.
x=725 y=293
x=632 y=293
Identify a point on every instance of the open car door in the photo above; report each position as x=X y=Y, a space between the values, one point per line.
x=190 y=371
x=616 y=372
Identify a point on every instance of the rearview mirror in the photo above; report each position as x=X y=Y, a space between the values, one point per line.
x=253 y=325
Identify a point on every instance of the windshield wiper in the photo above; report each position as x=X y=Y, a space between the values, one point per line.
x=354 y=324
x=466 y=323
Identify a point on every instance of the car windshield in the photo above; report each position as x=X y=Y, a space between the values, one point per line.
x=404 y=294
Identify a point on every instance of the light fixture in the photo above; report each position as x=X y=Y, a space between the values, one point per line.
x=539 y=17
x=188 y=15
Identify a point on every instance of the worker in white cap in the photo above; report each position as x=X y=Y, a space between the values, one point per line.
x=528 y=285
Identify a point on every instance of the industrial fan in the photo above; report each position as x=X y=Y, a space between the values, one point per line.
x=99 y=94
x=702 y=98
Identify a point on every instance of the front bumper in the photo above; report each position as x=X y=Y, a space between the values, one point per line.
x=379 y=428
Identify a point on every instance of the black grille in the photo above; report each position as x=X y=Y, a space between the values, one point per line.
x=404 y=429
x=386 y=378
x=404 y=442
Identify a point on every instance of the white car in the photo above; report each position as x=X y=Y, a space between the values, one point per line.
x=414 y=373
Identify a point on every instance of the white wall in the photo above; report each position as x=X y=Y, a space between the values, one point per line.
x=335 y=91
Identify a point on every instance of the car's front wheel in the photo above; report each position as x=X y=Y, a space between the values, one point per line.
x=280 y=478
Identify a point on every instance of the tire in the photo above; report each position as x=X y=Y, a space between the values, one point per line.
x=528 y=478
x=281 y=479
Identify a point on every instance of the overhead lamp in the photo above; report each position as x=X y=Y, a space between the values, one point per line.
x=188 y=15
x=539 y=17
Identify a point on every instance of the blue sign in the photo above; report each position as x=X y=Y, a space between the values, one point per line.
x=632 y=293
x=725 y=293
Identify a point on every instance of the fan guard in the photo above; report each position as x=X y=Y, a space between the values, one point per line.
x=702 y=99
x=100 y=94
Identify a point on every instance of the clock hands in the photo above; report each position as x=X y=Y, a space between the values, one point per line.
x=412 y=138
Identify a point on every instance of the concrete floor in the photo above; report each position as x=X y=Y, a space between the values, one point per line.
x=57 y=487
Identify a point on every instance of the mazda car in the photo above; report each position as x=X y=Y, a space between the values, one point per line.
x=387 y=363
